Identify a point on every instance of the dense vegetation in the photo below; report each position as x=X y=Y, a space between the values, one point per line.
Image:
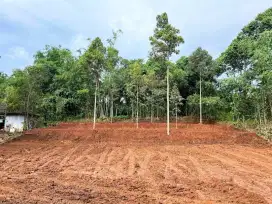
x=98 y=82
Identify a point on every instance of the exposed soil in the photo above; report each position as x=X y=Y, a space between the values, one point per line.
x=7 y=137
x=116 y=163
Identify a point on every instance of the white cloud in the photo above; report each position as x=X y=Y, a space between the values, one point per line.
x=18 y=53
x=17 y=57
x=14 y=10
x=136 y=17
x=211 y=24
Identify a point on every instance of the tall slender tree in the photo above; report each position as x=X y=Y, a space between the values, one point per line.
x=201 y=67
x=164 y=42
x=94 y=60
x=112 y=60
x=136 y=78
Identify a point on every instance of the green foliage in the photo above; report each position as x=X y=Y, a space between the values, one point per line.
x=121 y=118
x=238 y=56
x=212 y=106
x=3 y=84
x=93 y=60
x=165 y=40
x=60 y=87
x=248 y=63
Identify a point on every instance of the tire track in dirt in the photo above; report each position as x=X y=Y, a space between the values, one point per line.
x=234 y=163
x=131 y=163
x=171 y=170
x=135 y=166
x=259 y=179
x=205 y=171
x=99 y=171
x=250 y=159
x=82 y=159
x=68 y=155
x=145 y=163
x=264 y=159
x=238 y=175
x=202 y=173
x=124 y=167
x=47 y=158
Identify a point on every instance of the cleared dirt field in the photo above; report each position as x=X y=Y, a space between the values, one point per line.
x=71 y=163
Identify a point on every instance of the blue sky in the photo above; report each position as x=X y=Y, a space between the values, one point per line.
x=28 y=25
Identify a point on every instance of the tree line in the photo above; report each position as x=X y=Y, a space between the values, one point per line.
x=97 y=83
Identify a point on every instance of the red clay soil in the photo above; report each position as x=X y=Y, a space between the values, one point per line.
x=117 y=163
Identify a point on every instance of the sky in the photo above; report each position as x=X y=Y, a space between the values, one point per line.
x=26 y=26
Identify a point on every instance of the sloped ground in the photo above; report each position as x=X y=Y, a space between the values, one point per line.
x=5 y=137
x=71 y=163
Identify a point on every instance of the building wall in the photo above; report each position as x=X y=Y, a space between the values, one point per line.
x=14 y=123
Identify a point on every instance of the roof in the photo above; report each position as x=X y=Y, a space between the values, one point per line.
x=21 y=113
x=15 y=113
x=4 y=111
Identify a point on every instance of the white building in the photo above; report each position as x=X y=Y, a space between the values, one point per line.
x=14 y=122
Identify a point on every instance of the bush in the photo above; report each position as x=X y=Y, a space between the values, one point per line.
x=265 y=131
x=121 y=118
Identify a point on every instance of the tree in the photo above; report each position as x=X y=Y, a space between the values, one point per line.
x=59 y=81
x=262 y=68
x=136 y=79
x=3 y=84
x=247 y=63
x=112 y=60
x=99 y=83
x=94 y=61
x=238 y=56
x=201 y=67
x=176 y=100
x=23 y=93
x=212 y=105
x=164 y=43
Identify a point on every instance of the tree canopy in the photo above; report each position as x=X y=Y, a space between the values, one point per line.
x=100 y=84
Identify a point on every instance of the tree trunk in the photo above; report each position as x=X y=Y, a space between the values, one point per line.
x=27 y=105
x=151 y=111
x=106 y=107
x=111 y=108
x=132 y=112
x=200 y=99
x=94 y=116
x=264 y=109
x=27 y=109
x=259 y=113
x=140 y=111
x=186 y=109
x=100 y=104
x=137 y=116
x=168 y=106
x=102 y=115
x=157 y=113
x=176 y=116
x=87 y=109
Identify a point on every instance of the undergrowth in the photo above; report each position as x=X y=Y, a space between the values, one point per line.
x=263 y=130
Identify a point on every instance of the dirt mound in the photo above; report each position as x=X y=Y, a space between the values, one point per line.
x=7 y=137
x=146 y=133
x=71 y=163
